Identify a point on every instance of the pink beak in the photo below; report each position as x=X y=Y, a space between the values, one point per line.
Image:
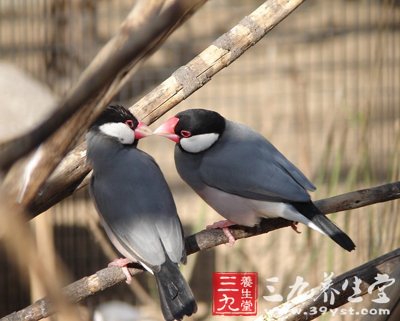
x=142 y=130
x=168 y=130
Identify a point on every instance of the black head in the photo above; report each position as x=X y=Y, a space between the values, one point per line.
x=118 y=123
x=199 y=121
x=195 y=130
x=116 y=114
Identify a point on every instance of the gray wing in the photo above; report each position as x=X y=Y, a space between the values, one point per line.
x=138 y=210
x=244 y=163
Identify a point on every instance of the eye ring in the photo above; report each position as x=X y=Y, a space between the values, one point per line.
x=186 y=133
x=129 y=122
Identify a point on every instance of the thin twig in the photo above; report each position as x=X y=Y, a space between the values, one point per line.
x=200 y=241
x=360 y=198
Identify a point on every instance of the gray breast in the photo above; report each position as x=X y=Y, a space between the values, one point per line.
x=187 y=166
x=136 y=205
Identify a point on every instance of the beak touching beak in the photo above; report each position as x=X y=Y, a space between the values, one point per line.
x=168 y=130
x=142 y=131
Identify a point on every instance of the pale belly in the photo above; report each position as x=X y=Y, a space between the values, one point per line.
x=245 y=211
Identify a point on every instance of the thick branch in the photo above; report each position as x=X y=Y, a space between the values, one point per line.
x=223 y=51
x=100 y=72
x=200 y=241
x=180 y=85
x=310 y=305
x=144 y=30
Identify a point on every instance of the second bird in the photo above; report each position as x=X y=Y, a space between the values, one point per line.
x=241 y=174
x=136 y=206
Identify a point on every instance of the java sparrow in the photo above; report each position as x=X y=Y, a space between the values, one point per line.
x=136 y=206
x=241 y=174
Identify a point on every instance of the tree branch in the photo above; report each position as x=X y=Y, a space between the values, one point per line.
x=360 y=198
x=222 y=52
x=146 y=27
x=204 y=240
x=143 y=31
x=180 y=85
x=92 y=81
x=21 y=247
x=310 y=305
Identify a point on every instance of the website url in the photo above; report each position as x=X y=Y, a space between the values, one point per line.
x=342 y=311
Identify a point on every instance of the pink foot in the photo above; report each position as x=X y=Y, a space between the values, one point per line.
x=294 y=227
x=122 y=263
x=231 y=239
x=220 y=224
x=224 y=226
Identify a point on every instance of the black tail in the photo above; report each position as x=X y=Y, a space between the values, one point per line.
x=176 y=297
x=309 y=210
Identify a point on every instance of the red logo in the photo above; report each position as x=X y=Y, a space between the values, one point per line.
x=234 y=293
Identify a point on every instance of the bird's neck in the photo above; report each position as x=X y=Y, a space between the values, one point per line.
x=103 y=151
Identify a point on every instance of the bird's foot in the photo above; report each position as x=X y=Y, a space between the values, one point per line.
x=122 y=263
x=294 y=227
x=220 y=224
x=224 y=226
x=231 y=239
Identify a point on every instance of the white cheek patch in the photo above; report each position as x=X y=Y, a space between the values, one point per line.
x=119 y=130
x=198 y=143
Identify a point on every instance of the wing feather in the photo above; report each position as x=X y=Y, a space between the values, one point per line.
x=244 y=163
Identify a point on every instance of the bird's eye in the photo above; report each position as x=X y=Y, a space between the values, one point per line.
x=129 y=122
x=186 y=133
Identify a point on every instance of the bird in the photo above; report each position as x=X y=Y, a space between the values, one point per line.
x=136 y=207
x=241 y=175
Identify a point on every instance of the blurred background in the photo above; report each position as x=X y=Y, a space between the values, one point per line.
x=323 y=87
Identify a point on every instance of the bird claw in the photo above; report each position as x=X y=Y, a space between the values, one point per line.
x=294 y=227
x=122 y=263
x=220 y=224
x=224 y=224
x=228 y=234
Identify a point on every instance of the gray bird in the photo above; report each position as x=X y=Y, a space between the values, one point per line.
x=241 y=174
x=136 y=206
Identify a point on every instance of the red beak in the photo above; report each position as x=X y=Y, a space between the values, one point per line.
x=167 y=130
x=142 y=130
